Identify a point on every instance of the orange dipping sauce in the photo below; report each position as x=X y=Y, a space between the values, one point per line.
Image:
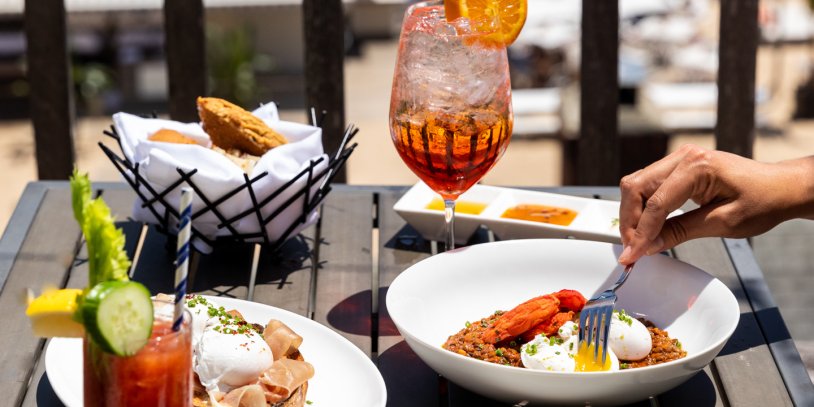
x=470 y=208
x=541 y=213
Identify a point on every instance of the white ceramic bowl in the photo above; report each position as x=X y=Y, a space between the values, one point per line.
x=435 y=297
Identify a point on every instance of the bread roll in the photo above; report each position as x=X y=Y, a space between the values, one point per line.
x=231 y=127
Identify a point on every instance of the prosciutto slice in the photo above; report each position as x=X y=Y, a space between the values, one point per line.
x=246 y=396
x=284 y=377
x=281 y=339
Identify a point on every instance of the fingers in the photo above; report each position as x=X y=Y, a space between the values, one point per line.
x=674 y=191
x=700 y=222
x=646 y=238
x=643 y=234
x=639 y=186
x=630 y=207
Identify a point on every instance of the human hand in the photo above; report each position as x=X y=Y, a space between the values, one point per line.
x=737 y=197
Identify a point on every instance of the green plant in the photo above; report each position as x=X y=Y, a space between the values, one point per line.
x=231 y=57
x=91 y=80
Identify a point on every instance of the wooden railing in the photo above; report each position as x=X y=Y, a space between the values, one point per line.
x=186 y=56
x=49 y=76
x=52 y=99
x=735 y=130
x=598 y=157
x=598 y=153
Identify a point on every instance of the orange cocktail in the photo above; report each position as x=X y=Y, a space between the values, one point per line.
x=450 y=108
x=160 y=374
x=450 y=152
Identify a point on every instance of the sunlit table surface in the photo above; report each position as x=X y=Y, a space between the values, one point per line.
x=337 y=273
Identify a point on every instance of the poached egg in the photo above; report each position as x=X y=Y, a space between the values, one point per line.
x=563 y=353
x=227 y=352
x=226 y=358
x=628 y=339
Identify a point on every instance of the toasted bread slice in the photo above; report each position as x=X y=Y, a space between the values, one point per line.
x=200 y=397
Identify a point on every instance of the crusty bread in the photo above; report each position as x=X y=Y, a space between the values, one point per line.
x=170 y=136
x=229 y=127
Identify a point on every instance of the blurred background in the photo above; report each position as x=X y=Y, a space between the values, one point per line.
x=667 y=71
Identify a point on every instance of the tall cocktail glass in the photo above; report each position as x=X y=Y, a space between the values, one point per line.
x=450 y=107
x=160 y=374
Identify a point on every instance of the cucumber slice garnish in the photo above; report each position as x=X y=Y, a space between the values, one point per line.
x=118 y=316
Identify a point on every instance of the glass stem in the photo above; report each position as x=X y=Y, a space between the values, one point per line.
x=449 y=217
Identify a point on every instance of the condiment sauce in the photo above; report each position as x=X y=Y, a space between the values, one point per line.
x=541 y=213
x=470 y=208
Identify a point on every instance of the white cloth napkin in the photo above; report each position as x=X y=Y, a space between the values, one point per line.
x=217 y=175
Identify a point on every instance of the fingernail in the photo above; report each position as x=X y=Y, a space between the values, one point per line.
x=656 y=246
x=624 y=257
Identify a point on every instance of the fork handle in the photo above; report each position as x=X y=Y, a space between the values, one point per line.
x=622 y=278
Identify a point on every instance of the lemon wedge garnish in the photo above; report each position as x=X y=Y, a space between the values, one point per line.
x=51 y=314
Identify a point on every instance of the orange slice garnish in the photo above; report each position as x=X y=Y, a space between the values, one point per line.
x=511 y=14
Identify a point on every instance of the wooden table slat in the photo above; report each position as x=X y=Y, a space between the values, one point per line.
x=747 y=371
x=40 y=392
x=771 y=323
x=703 y=389
x=155 y=267
x=284 y=278
x=343 y=289
x=44 y=258
x=401 y=246
x=18 y=226
x=78 y=279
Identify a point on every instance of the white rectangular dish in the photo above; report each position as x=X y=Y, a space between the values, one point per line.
x=596 y=219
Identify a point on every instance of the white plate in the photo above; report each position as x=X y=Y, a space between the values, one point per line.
x=597 y=219
x=435 y=297
x=344 y=376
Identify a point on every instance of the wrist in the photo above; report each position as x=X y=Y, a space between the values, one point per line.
x=799 y=187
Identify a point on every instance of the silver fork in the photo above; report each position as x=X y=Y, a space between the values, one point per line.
x=597 y=314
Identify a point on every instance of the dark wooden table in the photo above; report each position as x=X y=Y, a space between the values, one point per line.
x=337 y=273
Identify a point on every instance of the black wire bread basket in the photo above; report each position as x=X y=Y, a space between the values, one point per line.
x=310 y=195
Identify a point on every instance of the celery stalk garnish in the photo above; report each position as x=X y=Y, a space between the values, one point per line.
x=107 y=259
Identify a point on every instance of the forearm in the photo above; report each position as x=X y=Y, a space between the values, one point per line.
x=797 y=185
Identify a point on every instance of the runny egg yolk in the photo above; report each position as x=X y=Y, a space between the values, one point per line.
x=585 y=361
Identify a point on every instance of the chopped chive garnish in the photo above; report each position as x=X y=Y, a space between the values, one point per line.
x=531 y=349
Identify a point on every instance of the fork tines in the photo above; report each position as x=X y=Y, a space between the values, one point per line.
x=595 y=318
x=594 y=324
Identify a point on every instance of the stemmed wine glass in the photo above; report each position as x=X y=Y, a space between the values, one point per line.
x=450 y=107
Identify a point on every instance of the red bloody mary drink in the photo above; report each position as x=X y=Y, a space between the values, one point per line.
x=160 y=374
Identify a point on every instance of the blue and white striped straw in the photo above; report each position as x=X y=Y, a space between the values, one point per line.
x=182 y=256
